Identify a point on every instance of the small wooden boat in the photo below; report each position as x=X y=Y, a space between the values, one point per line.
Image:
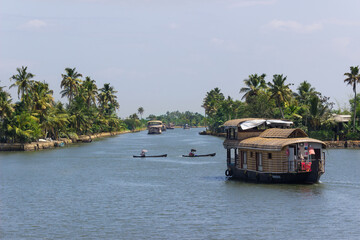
x=201 y=155
x=150 y=156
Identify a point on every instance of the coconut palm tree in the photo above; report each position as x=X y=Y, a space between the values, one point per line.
x=352 y=79
x=279 y=91
x=41 y=97
x=55 y=122
x=6 y=107
x=254 y=84
x=107 y=99
x=70 y=82
x=90 y=91
x=212 y=101
x=141 y=111
x=305 y=91
x=23 y=80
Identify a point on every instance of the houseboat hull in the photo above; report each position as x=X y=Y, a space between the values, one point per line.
x=267 y=177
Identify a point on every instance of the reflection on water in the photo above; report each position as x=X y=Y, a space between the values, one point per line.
x=98 y=191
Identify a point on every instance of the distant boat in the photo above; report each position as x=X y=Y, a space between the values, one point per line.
x=186 y=126
x=170 y=126
x=155 y=127
x=201 y=155
x=150 y=156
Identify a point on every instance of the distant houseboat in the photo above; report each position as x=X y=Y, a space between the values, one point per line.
x=154 y=127
x=269 y=151
x=186 y=126
x=170 y=126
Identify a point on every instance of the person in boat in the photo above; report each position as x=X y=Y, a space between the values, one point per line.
x=142 y=154
x=192 y=153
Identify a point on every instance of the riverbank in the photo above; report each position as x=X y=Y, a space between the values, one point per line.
x=41 y=145
x=329 y=144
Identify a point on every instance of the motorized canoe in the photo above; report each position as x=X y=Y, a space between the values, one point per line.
x=201 y=155
x=139 y=156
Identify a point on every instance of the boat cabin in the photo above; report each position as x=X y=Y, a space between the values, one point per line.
x=269 y=151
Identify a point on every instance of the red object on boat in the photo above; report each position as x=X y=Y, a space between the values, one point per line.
x=308 y=166
x=303 y=166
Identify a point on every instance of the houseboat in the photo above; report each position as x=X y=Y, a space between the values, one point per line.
x=170 y=126
x=269 y=151
x=154 y=127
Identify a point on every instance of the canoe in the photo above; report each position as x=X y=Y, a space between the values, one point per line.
x=201 y=155
x=163 y=155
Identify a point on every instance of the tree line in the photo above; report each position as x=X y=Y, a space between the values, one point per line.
x=306 y=107
x=37 y=115
x=89 y=109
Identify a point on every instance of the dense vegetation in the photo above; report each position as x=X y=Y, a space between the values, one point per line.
x=179 y=119
x=93 y=110
x=37 y=115
x=307 y=108
x=89 y=109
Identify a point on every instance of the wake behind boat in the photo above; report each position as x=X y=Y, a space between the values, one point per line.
x=201 y=155
x=150 y=156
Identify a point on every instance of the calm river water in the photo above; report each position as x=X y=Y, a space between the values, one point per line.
x=98 y=191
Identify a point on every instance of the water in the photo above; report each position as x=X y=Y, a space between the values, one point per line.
x=98 y=191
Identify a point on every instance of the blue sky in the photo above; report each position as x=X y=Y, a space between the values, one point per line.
x=165 y=55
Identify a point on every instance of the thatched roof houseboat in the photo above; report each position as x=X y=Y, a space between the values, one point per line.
x=154 y=127
x=265 y=150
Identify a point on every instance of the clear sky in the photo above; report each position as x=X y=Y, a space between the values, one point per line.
x=165 y=55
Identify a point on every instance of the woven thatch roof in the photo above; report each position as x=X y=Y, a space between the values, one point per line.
x=155 y=126
x=270 y=144
x=155 y=121
x=236 y=122
x=283 y=133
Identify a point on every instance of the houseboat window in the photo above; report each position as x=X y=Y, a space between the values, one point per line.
x=244 y=159
x=251 y=154
x=269 y=155
x=259 y=162
x=228 y=156
x=231 y=133
x=233 y=156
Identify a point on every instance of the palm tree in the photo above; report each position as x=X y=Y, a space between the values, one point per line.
x=22 y=81
x=41 y=97
x=212 y=101
x=141 y=111
x=254 y=85
x=107 y=99
x=305 y=91
x=6 y=107
x=212 y=104
x=90 y=91
x=353 y=78
x=55 y=121
x=279 y=91
x=70 y=82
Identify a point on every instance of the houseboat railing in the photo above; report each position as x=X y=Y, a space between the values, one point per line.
x=303 y=166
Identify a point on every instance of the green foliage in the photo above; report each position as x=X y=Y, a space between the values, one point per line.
x=352 y=135
x=180 y=118
x=23 y=128
x=307 y=108
x=38 y=116
x=325 y=135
